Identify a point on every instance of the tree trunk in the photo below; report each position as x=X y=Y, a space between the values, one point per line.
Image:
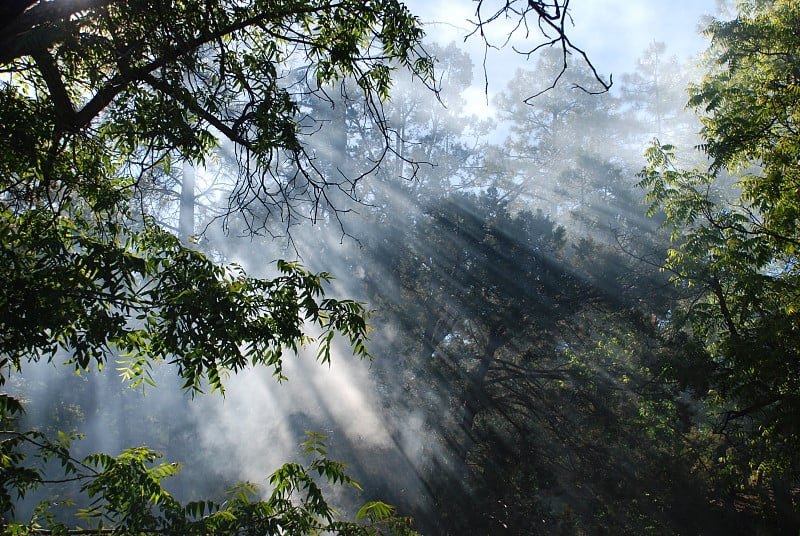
x=788 y=520
x=475 y=397
x=186 y=218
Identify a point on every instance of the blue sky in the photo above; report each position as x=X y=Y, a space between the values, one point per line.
x=613 y=32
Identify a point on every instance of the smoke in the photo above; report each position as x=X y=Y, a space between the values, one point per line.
x=391 y=420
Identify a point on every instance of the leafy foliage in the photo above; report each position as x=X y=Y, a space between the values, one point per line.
x=736 y=249
x=151 y=298
x=127 y=494
x=750 y=109
x=97 y=99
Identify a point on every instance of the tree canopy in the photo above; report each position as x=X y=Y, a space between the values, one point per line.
x=735 y=248
x=560 y=383
x=99 y=97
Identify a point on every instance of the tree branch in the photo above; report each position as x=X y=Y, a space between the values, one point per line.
x=164 y=87
x=552 y=19
x=121 y=80
x=716 y=287
x=20 y=35
x=731 y=415
x=58 y=93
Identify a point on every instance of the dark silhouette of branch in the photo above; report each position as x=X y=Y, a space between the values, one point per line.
x=733 y=415
x=551 y=21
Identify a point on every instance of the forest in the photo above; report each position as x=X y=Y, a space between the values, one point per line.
x=264 y=271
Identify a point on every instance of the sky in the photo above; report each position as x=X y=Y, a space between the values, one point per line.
x=613 y=33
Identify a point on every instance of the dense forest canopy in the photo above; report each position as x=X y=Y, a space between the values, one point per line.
x=98 y=100
x=580 y=315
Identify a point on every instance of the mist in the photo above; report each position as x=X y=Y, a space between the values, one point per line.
x=509 y=266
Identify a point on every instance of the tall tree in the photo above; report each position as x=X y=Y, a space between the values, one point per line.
x=737 y=249
x=565 y=152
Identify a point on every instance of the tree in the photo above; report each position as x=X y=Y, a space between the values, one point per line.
x=737 y=250
x=538 y=375
x=96 y=97
x=656 y=92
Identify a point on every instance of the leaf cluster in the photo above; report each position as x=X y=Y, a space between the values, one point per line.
x=126 y=494
x=735 y=249
x=153 y=299
x=144 y=84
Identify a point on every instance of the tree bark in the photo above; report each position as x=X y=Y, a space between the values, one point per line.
x=475 y=397
x=186 y=219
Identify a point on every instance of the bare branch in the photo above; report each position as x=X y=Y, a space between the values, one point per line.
x=551 y=20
